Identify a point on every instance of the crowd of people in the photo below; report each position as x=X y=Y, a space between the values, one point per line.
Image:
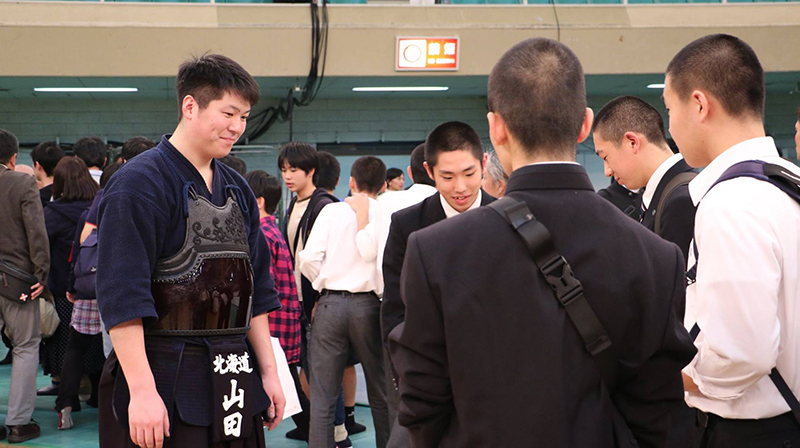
x=498 y=300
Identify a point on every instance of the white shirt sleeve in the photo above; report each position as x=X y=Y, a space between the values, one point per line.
x=367 y=242
x=312 y=256
x=736 y=293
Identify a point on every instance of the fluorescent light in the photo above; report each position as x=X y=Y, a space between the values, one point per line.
x=86 y=89
x=400 y=89
x=656 y=86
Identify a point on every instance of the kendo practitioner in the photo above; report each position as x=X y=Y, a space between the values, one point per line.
x=183 y=282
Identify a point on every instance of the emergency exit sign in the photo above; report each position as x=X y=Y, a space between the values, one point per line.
x=423 y=54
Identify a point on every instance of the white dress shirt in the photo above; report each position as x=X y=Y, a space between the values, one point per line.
x=450 y=211
x=746 y=299
x=375 y=234
x=96 y=175
x=331 y=259
x=655 y=179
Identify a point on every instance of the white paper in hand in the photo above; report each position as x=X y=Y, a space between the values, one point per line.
x=287 y=383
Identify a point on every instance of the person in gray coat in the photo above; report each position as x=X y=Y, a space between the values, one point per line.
x=24 y=245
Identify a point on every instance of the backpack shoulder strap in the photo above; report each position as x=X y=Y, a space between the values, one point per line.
x=677 y=181
x=568 y=290
x=789 y=183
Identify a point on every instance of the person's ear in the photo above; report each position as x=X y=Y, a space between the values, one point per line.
x=189 y=107
x=12 y=162
x=498 y=133
x=632 y=141
x=410 y=176
x=352 y=184
x=701 y=104
x=261 y=203
x=428 y=169
x=586 y=126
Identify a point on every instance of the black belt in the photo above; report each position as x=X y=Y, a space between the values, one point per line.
x=346 y=293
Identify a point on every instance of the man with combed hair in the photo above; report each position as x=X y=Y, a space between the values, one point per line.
x=744 y=282
x=183 y=281
x=94 y=152
x=629 y=136
x=474 y=303
x=495 y=178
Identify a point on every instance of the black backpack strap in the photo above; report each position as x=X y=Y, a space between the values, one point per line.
x=569 y=291
x=677 y=181
x=776 y=378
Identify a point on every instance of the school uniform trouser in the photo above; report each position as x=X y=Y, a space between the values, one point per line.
x=398 y=436
x=345 y=322
x=712 y=431
x=23 y=326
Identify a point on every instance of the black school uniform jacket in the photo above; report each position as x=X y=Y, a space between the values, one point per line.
x=488 y=357
x=677 y=214
x=405 y=222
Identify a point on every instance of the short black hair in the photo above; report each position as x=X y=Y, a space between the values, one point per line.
x=234 y=162
x=630 y=114
x=328 y=171
x=539 y=91
x=725 y=67
x=72 y=181
x=108 y=172
x=92 y=150
x=9 y=145
x=369 y=172
x=47 y=154
x=135 y=146
x=209 y=77
x=267 y=186
x=298 y=155
x=452 y=136
x=417 y=164
x=393 y=173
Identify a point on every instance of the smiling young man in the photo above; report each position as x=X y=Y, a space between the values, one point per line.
x=744 y=283
x=183 y=281
x=455 y=160
x=487 y=355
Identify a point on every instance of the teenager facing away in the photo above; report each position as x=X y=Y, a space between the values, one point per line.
x=346 y=319
x=183 y=281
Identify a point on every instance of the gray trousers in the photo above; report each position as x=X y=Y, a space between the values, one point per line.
x=345 y=322
x=398 y=437
x=23 y=328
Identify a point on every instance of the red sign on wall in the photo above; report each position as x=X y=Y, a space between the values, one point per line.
x=427 y=54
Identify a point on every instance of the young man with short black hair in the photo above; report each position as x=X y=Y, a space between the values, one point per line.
x=347 y=315
x=183 y=281
x=475 y=298
x=45 y=158
x=744 y=282
x=135 y=146
x=629 y=136
x=455 y=161
x=94 y=152
x=299 y=164
x=327 y=174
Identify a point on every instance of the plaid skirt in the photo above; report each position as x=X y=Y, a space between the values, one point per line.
x=86 y=317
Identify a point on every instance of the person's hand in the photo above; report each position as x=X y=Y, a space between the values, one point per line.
x=689 y=385
x=314 y=312
x=272 y=387
x=148 y=419
x=71 y=297
x=36 y=291
x=359 y=202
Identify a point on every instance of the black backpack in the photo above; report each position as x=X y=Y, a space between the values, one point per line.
x=86 y=268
